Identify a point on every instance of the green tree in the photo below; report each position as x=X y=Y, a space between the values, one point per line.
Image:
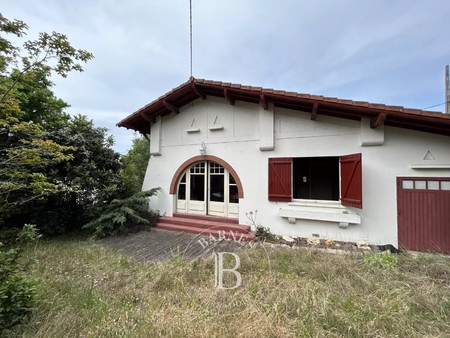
x=93 y=174
x=38 y=102
x=25 y=150
x=135 y=165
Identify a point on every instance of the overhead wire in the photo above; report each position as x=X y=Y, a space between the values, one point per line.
x=436 y=105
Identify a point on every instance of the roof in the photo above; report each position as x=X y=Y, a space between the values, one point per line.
x=397 y=116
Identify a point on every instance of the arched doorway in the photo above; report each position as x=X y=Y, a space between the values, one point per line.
x=208 y=188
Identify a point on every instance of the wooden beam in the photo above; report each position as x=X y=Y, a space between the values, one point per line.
x=263 y=101
x=228 y=96
x=146 y=117
x=314 y=110
x=198 y=91
x=171 y=107
x=378 y=120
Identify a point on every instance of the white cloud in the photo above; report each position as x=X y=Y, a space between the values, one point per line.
x=381 y=51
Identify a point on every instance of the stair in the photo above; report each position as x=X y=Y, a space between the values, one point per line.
x=215 y=226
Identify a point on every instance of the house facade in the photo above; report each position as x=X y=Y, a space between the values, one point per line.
x=310 y=165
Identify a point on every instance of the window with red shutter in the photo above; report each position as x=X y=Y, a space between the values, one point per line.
x=280 y=179
x=351 y=180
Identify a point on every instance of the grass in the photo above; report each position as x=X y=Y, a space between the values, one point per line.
x=88 y=290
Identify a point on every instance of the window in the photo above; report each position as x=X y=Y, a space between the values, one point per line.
x=316 y=178
x=182 y=188
x=233 y=193
x=216 y=182
x=197 y=182
x=425 y=184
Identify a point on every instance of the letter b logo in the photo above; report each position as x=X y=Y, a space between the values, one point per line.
x=218 y=257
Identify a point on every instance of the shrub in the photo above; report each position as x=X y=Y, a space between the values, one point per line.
x=8 y=236
x=384 y=259
x=125 y=215
x=17 y=291
x=261 y=232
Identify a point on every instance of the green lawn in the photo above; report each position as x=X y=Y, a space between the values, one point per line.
x=88 y=290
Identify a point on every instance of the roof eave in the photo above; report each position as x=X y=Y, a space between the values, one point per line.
x=194 y=89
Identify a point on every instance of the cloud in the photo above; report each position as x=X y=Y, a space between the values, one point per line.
x=383 y=51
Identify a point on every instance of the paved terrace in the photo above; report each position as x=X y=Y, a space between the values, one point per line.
x=158 y=245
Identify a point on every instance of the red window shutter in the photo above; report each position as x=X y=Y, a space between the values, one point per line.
x=280 y=179
x=351 y=180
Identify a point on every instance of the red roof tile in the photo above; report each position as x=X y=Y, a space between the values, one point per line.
x=434 y=122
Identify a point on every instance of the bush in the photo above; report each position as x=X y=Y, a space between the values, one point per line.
x=17 y=291
x=8 y=236
x=385 y=260
x=125 y=215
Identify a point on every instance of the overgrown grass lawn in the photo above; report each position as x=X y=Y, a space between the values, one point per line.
x=89 y=290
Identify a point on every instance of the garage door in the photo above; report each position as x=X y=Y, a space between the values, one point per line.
x=423 y=205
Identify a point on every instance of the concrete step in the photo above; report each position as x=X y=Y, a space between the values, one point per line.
x=205 y=224
x=217 y=233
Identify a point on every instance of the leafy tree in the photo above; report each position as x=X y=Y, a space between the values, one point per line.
x=17 y=291
x=25 y=154
x=37 y=100
x=50 y=52
x=25 y=150
x=125 y=215
x=135 y=165
x=93 y=174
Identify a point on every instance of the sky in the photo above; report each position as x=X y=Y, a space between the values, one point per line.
x=391 y=52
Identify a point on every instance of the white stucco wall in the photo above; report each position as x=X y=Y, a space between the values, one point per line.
x=295 y=135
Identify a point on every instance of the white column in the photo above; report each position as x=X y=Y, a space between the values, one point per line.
x=155 y=137
x=266 y=128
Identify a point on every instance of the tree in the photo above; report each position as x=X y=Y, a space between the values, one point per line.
x=93 y=175
x=25 y=150
x=25 y=154
x=50 y=52
x=135 y=165
x=37 y=100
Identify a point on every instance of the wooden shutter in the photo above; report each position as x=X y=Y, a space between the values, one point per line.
x=280 y=179
x=351 y=180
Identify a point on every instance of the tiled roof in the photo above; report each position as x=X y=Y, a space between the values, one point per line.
x=193 y=89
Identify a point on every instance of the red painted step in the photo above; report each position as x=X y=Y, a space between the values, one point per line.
x=199 y=223
x=207 y=225
x=230 y=234
x=208 y=218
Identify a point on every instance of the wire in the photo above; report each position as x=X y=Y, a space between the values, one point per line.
x=190 y=31
x=436 y=105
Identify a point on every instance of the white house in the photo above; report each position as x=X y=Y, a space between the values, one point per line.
x=311 y=165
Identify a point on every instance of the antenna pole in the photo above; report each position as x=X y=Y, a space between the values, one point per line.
x=447 y=91
x=190 y=32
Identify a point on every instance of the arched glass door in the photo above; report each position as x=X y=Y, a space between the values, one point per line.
x=207 y=188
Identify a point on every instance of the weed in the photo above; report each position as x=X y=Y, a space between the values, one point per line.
x=385 y=260
x=285 y=293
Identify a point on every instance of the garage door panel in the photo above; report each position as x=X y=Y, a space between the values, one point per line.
x=423 y=214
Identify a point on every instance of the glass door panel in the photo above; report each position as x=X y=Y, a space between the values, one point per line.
x=217 y=191
x=197 y=188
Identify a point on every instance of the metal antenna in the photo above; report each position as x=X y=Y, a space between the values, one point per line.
x=190 y=31
x=447 y=91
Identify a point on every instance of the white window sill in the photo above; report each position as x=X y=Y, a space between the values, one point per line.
x=429 y=166
x=328 y=211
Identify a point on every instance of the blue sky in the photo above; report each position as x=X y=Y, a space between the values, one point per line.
x=391 y=52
